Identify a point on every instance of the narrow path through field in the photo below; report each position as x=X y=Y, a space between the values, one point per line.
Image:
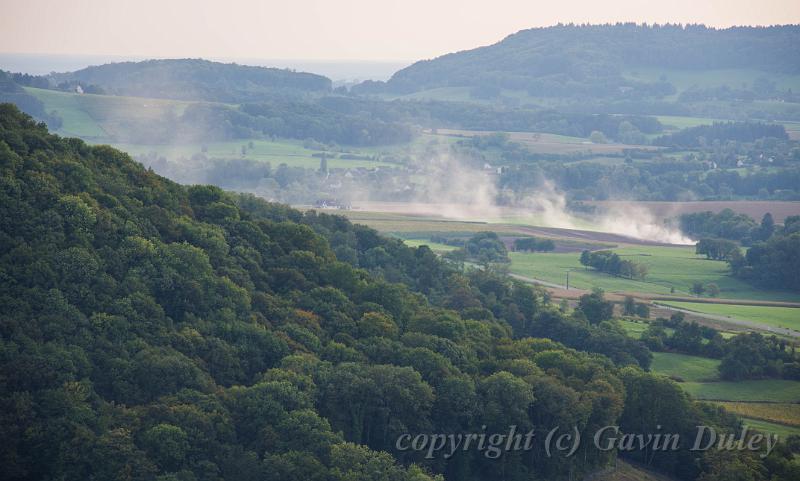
x=732 y=320
x=560 y=291
x=541 y=282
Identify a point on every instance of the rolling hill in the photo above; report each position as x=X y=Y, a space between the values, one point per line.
x=592 y=60
x=194 y=79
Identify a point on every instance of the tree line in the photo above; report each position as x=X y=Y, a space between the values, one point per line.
x=534 y=244
x=694 y=137
x=611 y=263
x=771 y=261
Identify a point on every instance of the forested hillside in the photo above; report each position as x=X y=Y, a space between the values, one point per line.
x=589 y=60
x=192 y=79
x=155 y=331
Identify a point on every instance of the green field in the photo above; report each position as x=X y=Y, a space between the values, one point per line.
x=435 y=247
x=289 y=152
x=678 y=122
x=735 y=78
x=452 y=94
x=767 y=390
x=76 y=121
x=102 y=118
x=766 y=405
x=634 y=329
x=669 y=267
x=675 y=122
x=785 y=317
x=97 y=118
x=782 y=430
x=687 y=368
x=672 y=267
x=547 y=143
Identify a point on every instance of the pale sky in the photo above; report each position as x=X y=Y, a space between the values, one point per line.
x=331 y=29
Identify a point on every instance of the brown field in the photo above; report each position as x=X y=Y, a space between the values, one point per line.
x=781 y=413
x=404 y=218
x=552 y=144
x=587 y=236
x=793 y=129
x=755 y=209
x=396 y=223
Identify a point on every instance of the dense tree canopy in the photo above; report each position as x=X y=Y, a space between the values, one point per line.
x=155 y=331
x=587 y=60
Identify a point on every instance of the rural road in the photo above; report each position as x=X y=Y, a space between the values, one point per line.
x=574 y=293
x=732 y=320
x=540 y=282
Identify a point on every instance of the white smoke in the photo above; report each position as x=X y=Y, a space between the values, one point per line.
x=627 y=218
x=454 y=190
x=459 y=191
x=638 y=222
x=548 y=205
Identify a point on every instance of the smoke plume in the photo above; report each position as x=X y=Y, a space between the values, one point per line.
x=454 y=190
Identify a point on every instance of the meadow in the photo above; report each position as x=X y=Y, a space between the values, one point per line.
x=677 y=122
x=76 y=121
x=783 y=431
x=634 y=329
x=276 y=152
x=544 y=143
x=685 y=367
x=685 y=79
x=99 y=118
x=675 y=267
x=766 y=405
x=766 y=390
x=435 y=247
x=785 y=317
x=671 y=269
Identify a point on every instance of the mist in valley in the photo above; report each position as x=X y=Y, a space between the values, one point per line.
x=438 y=183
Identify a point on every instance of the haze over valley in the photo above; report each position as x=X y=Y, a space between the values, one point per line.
x=345 y=250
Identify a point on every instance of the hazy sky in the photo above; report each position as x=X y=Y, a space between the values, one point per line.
x=331 y=29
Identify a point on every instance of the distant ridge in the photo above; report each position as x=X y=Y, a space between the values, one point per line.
x=590 y=59
x=193 y=79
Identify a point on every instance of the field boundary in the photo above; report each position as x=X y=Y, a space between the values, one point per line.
x=713 y=300
x=783 y=331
